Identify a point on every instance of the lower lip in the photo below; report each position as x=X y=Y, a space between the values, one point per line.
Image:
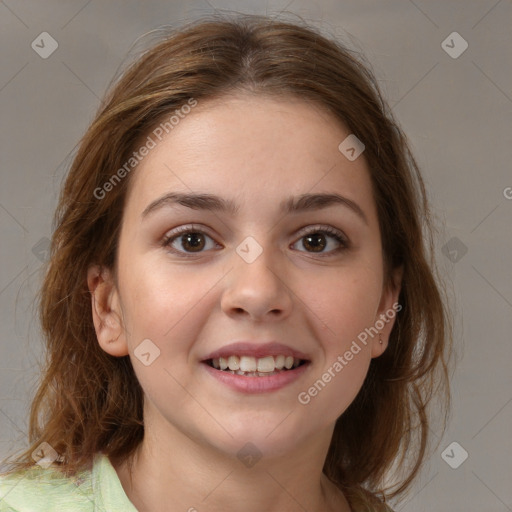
x=257 y=384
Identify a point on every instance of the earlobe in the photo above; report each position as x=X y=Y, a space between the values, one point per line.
x=389 y=308
x=106 y=312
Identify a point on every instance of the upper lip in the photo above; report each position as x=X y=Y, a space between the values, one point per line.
x=257 y=350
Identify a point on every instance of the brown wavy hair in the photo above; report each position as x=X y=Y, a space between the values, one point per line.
x=88 y=401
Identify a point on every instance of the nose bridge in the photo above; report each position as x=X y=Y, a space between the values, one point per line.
x=256 y=285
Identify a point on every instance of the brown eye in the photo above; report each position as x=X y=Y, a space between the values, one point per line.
x=188 y=240
x=318 y=239
x=194 y=241
x=316 y=242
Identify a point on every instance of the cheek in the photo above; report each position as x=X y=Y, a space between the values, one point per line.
x=345 y=304
x=158 y=295
x=332 y=391
x=163 y=307
x=159 y=304
x=167 y=304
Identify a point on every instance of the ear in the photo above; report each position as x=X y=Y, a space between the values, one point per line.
x=387 y=312
x=106 y=311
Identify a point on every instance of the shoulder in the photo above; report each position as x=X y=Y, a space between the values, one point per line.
x=47 y=489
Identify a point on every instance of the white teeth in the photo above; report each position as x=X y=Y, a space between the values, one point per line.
x=266 y=364
x=234 y=362
x=254 y=374
x=279 y=362
x=263 y=366
x=248 y=364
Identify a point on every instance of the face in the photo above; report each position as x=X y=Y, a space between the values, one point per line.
x=256 y=282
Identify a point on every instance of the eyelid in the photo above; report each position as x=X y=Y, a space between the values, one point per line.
x=185 y=228
x=323 y=228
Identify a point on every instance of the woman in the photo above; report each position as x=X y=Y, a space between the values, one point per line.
x=240 y=307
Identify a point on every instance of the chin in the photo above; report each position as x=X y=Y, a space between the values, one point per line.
x=265 y=436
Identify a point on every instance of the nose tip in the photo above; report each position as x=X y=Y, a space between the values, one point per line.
x=254 y=288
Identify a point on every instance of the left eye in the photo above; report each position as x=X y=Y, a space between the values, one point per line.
x=315 y=241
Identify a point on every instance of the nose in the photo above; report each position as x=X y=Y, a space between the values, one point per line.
x=257 y=290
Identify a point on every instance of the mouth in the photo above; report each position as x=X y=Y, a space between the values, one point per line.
x=256 y=367
x=248 y=366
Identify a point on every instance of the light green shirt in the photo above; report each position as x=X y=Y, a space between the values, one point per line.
x=38 y=489
x=96 y=490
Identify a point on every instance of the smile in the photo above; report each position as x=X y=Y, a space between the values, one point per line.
x=248 y=366
x=256 y=375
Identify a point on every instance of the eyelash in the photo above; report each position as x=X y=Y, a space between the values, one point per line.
x=334 y=233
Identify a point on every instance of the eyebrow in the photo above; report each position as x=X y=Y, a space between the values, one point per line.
x=210 y=202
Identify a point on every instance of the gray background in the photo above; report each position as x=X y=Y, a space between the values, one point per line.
x=457 y=113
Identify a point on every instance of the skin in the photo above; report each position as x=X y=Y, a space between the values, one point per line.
x=256 y=151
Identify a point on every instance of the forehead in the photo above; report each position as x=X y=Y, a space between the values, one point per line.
x=243 y=147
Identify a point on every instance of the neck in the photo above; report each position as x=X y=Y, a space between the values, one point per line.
x=176 y=471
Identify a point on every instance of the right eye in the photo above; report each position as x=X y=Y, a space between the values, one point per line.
x=187 y=239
